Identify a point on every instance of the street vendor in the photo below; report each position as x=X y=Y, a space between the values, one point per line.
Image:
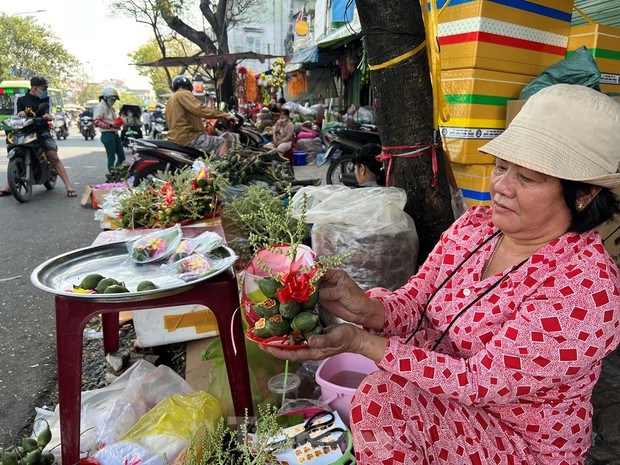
x=490 y=353
x=283 y=133
x=184 y=115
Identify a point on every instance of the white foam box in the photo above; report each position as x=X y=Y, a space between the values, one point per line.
x=160 y=326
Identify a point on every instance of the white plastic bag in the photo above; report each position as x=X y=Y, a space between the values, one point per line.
x=109 y=412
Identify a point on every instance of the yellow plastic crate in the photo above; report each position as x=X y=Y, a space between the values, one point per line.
x=519 y=36
x=474 y=182
x=603 y=42
x=465 y=150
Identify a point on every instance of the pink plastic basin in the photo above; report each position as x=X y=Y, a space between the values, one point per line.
x=339 y=377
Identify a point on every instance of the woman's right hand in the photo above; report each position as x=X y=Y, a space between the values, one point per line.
x=342 y=297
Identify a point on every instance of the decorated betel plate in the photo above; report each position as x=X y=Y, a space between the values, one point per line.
x=66 y=273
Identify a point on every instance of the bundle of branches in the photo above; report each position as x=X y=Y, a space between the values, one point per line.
x=244 y=165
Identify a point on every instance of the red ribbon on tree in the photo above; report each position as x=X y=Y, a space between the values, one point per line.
x=414 y=151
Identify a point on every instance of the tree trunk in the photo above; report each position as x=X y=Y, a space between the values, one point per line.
x=405 y=113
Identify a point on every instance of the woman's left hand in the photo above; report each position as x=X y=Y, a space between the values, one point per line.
x=337 y=338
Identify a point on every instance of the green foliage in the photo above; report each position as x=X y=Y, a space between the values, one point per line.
x=29 y=48
x=250 y=446
x=118 y=173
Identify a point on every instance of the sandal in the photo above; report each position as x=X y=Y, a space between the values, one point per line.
x=4 y=193
x=71 y=193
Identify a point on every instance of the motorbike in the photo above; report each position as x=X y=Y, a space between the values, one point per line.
x=158 y=126
x=242 y=132
x=87 y=128
x=342 y=145
x=157 y=155
x=60 y=127
x=28 y=162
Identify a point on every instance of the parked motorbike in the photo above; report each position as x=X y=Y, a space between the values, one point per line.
x=156 y=155
x=243 y=132
x=28 y=162
x=129 y=132
x=60 y=127
x=132 y=126
x=87 y=128
x=342 y=145
x=158 y=127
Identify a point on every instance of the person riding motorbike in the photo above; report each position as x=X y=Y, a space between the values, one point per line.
x=105 y=118
x=27 y=105
x=184 y=114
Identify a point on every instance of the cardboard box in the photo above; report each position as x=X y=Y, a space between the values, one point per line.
x=159 y=326
x=94 y=196
x=516 y=37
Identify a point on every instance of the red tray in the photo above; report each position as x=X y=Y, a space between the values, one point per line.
x=279 y=342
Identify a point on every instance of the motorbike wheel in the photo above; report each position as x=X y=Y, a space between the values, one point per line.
x=51 y=181
x=19 y=184
x=341 y=171
x=148 y=174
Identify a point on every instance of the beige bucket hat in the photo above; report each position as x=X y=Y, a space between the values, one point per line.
x=567 y=131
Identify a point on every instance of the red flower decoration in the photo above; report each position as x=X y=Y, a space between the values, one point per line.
x=295 y=288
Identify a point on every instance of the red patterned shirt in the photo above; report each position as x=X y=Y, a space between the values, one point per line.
x=530 y=351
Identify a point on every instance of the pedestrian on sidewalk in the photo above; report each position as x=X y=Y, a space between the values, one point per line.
x=490 y=353
x=109 y=123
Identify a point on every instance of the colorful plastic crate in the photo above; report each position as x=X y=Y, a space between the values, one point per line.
x=603 y=42
x=477 y=101
x=474 y=182
x=515 y=36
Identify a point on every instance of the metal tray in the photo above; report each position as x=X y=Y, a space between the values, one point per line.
x=58 y=275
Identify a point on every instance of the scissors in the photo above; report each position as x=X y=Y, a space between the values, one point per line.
x=318 y=430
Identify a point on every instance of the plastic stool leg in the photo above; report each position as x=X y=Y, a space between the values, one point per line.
x=111 y=339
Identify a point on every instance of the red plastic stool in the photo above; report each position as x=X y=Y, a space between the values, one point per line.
x=220 y=294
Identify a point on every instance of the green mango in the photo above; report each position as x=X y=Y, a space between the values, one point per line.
x=90 y=281
x=266 y=309
x=29 y=444
x=304 y=321
x=146 y=286
x=318 y=329
x=314 y=299
x=104 y=283
x=289 y=309
x=278 y=326
x=268 y=286
x=115 y=289
x=260 y=329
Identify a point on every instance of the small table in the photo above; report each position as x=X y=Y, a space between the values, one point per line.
x=220 y=294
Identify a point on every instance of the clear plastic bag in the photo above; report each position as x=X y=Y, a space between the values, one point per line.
x=202 y=244
x=368 y=223
x=197 y=266
x=155 y=246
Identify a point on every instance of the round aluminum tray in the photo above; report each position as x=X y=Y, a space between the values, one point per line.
x=58 y=275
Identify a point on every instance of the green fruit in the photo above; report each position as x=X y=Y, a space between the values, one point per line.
x=260 y=329
x=10 y=459
x=268 y=286
x=90 y=281
x=305 y=321
x=313 y=332
x=266 y=309
x=278 y=326
x=33 y=458
x=289 y=309
x=146 y=286
x=29 y=444
x=104 y=283
x=314 y=299
x=115 y=289
x=202 y=182
x=44 y=437
x=48 y=458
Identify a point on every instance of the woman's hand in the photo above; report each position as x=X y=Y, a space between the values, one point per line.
x=341 y=296
x=337 y=339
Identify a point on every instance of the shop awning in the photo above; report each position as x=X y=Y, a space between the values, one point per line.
x=342 y=35
x=305 y=55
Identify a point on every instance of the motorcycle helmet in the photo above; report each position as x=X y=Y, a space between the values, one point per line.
x=109 y=92
x=181 y=81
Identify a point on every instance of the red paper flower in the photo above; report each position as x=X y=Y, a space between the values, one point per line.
x=295 y=288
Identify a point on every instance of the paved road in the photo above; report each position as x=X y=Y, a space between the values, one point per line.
x=50 y=224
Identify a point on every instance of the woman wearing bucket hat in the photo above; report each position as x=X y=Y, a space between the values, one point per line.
x=491 y=351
